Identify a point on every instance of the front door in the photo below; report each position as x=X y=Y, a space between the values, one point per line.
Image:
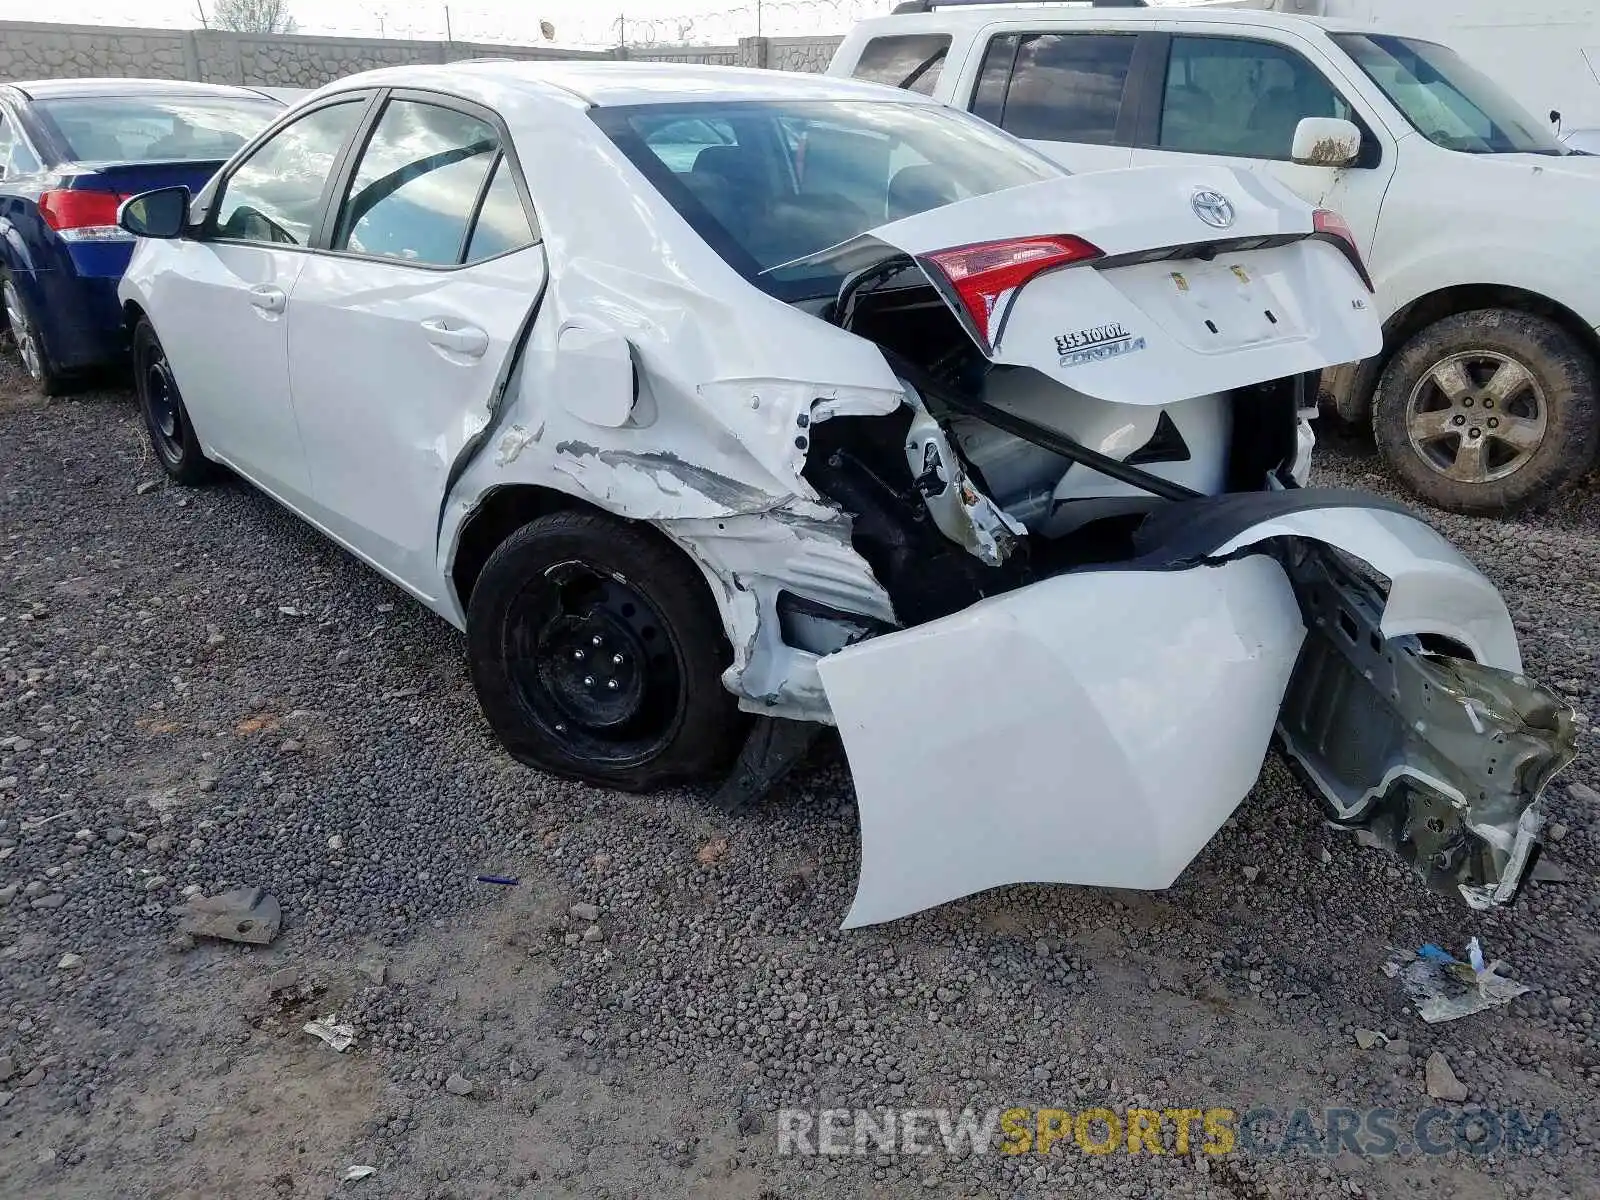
x=1237 y=100
x=402 y=329
x=225 y=305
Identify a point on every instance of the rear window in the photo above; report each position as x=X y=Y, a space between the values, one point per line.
x=156 y=128
x=912 y=61
x=1057 y=87
x=769 y=183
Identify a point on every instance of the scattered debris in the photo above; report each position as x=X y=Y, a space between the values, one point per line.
x=502 y=880
x=1251 y=874
x=593 y=934
x=336 y=842
x=1445 y=989
x=712 y=852
x=1368 y=1038
x=458 y=1085
x=1548 y=870
x=328 y=1029
x=290 y=610
x=282 y=981
x=374 y=969
x=584 y=911
x=242 y=915
x=1441 y=1081
x=70 y=962
x=148 y=486
x=352 y=1174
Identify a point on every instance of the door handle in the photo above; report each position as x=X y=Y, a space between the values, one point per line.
x=268 y=298
x=463 y=339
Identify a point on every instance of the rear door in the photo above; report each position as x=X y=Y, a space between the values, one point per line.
x=1236 y=100
x=399 y=331
x=1068 y=93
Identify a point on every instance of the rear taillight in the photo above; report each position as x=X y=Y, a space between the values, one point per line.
x=985 y=275
x=1330 y=226
x=83 y=216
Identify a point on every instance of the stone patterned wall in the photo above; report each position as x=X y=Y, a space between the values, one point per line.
x=714 y=56
x=39 y=51
x=801 y=54
x=34 y=50
x=311 y=61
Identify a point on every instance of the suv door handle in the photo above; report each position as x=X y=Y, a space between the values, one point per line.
x=462 y=339
x=268 y=298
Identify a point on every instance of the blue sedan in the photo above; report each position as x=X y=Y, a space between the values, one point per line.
x=71 y=150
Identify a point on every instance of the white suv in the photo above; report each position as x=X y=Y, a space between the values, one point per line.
x=1477 y=224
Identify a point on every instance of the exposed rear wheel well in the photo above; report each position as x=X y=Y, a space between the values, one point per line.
x=502 y=512
x=1353 y=395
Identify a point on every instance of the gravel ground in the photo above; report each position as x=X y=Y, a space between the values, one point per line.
x=197 y=692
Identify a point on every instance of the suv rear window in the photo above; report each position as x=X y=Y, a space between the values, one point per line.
x=1058 y=87
x=911 y=61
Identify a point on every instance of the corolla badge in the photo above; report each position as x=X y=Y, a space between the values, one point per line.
x=1213 y=208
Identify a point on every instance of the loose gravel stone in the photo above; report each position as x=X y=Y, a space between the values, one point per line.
x=722 y=988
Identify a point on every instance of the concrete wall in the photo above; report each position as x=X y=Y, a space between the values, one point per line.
x=35 y=50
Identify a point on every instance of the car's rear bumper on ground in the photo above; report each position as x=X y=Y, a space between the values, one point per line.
x=1099 y=727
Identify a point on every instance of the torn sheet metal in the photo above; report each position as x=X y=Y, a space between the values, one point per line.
x=1443 y=759
x=750 y=562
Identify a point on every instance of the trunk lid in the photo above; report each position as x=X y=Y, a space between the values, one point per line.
x=129 y=179
x=1167 y=283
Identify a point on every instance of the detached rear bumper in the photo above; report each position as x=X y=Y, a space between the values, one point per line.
x=1099 y=727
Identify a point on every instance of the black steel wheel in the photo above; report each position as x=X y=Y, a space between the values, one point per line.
x=597 y=653
x=167 y=421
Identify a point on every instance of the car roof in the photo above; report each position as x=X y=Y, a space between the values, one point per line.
x=51 y=89
x=1044 y=15
x=604 y=84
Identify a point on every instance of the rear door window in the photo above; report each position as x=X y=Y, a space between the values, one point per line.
x=1241 y=98
x=910 y=61
x=1057 y=87
x=417 y=185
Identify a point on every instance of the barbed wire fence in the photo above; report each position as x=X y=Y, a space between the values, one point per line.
x=605 y=25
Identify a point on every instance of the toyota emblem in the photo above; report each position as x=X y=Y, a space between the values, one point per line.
x=1213 y=208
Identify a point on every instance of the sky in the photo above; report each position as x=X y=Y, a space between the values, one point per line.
x=577 y=22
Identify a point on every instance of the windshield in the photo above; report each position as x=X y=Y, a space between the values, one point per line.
x=1450 y=103
x=177 y=128
x=766 y=183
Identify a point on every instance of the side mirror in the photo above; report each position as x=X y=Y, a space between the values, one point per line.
x=163 y=213
x=1326 y=142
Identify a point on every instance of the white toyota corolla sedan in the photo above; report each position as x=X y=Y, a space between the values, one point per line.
x=696 y=393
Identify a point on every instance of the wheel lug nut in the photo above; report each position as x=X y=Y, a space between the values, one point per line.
x=597 y=639
x=1488 y=403
x=1494 y=422
x=588 y=681
x=1459 y=420
x=616 y=660
x=578 y=654
x=1476 y=432
x=611 y=684
x=1467 y=403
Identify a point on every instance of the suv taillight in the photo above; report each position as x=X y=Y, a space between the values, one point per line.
x=985 y=273
x=83 y=216
x=1330 y=226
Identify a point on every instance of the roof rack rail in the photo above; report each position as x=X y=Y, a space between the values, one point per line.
x=923 y=6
